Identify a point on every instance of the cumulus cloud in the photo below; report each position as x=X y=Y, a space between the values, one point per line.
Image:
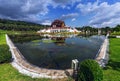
x=68 y=16
x=22 y=8
x=73 y=19
x=11 y=9
x=88 y=8
x=26 y=10
x=30 y=10
x=46 y=22
x=105 y=14
x=64 y=3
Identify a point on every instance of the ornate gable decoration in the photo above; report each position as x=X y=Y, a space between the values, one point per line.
x=58 y=23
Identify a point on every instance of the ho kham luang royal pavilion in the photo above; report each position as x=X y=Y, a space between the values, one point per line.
x=58 y=26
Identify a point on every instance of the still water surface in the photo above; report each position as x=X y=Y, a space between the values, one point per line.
x=57 y=53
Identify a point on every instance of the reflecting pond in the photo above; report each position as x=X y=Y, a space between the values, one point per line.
x=58 y=52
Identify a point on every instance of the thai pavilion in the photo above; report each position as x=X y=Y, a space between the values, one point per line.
x=58 y=26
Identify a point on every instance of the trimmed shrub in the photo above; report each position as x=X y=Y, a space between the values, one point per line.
x=5 y=55
x=90 y=71
x=112 y=36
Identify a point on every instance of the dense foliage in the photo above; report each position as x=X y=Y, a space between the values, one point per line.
x=5 y=55
x=117 y=28
x=87 y=28
x=24 y=37
x=90 y=71
x=104 y=30
x=19 y=25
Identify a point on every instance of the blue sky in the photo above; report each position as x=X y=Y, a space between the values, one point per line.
x=75 y=13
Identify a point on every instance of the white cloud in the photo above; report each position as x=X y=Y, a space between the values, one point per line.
x=73 y=19
x=68 y=16
x=46 y=22
x=24 y=9
x=64 y=3
x=89 y=7
x=105 y=14
x=29 y=10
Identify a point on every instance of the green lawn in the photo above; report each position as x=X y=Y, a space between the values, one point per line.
x=112 y=72
x=2 y=39
x=8 y=73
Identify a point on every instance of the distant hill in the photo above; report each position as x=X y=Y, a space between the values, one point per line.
x=20 y=25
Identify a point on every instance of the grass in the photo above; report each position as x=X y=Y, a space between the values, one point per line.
x=112 y=71
x=2 y=39
x=8 y=73
x=16 y=32
x=5 y=55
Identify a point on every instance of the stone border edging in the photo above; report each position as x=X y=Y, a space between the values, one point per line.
x=26 y=68
x=103 y=54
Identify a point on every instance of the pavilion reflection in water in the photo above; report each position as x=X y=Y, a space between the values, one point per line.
x=55 y=40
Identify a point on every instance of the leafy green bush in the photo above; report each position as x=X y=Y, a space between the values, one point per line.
x=112 y=36
x=5 y=55
x=90 y=71
x=115 y=33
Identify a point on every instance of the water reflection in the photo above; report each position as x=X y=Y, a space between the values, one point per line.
x=57 y=52
x=55 y=40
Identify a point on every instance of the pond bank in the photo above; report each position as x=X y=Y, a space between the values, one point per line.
x=103 y=54
x=26 y=68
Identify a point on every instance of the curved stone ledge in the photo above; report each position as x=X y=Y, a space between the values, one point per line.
x=103 y=54
x=24 y=67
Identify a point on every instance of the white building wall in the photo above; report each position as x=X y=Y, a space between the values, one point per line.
x=57 y=30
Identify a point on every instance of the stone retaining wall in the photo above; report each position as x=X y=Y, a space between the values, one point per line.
x=103 y=54
x=24 y=67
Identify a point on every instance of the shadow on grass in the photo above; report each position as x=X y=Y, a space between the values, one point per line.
x=5 y=55
x=113 y=65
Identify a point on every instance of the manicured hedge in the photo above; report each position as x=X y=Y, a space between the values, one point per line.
x=90 y=71
x=112 y=36
x=5 y=55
